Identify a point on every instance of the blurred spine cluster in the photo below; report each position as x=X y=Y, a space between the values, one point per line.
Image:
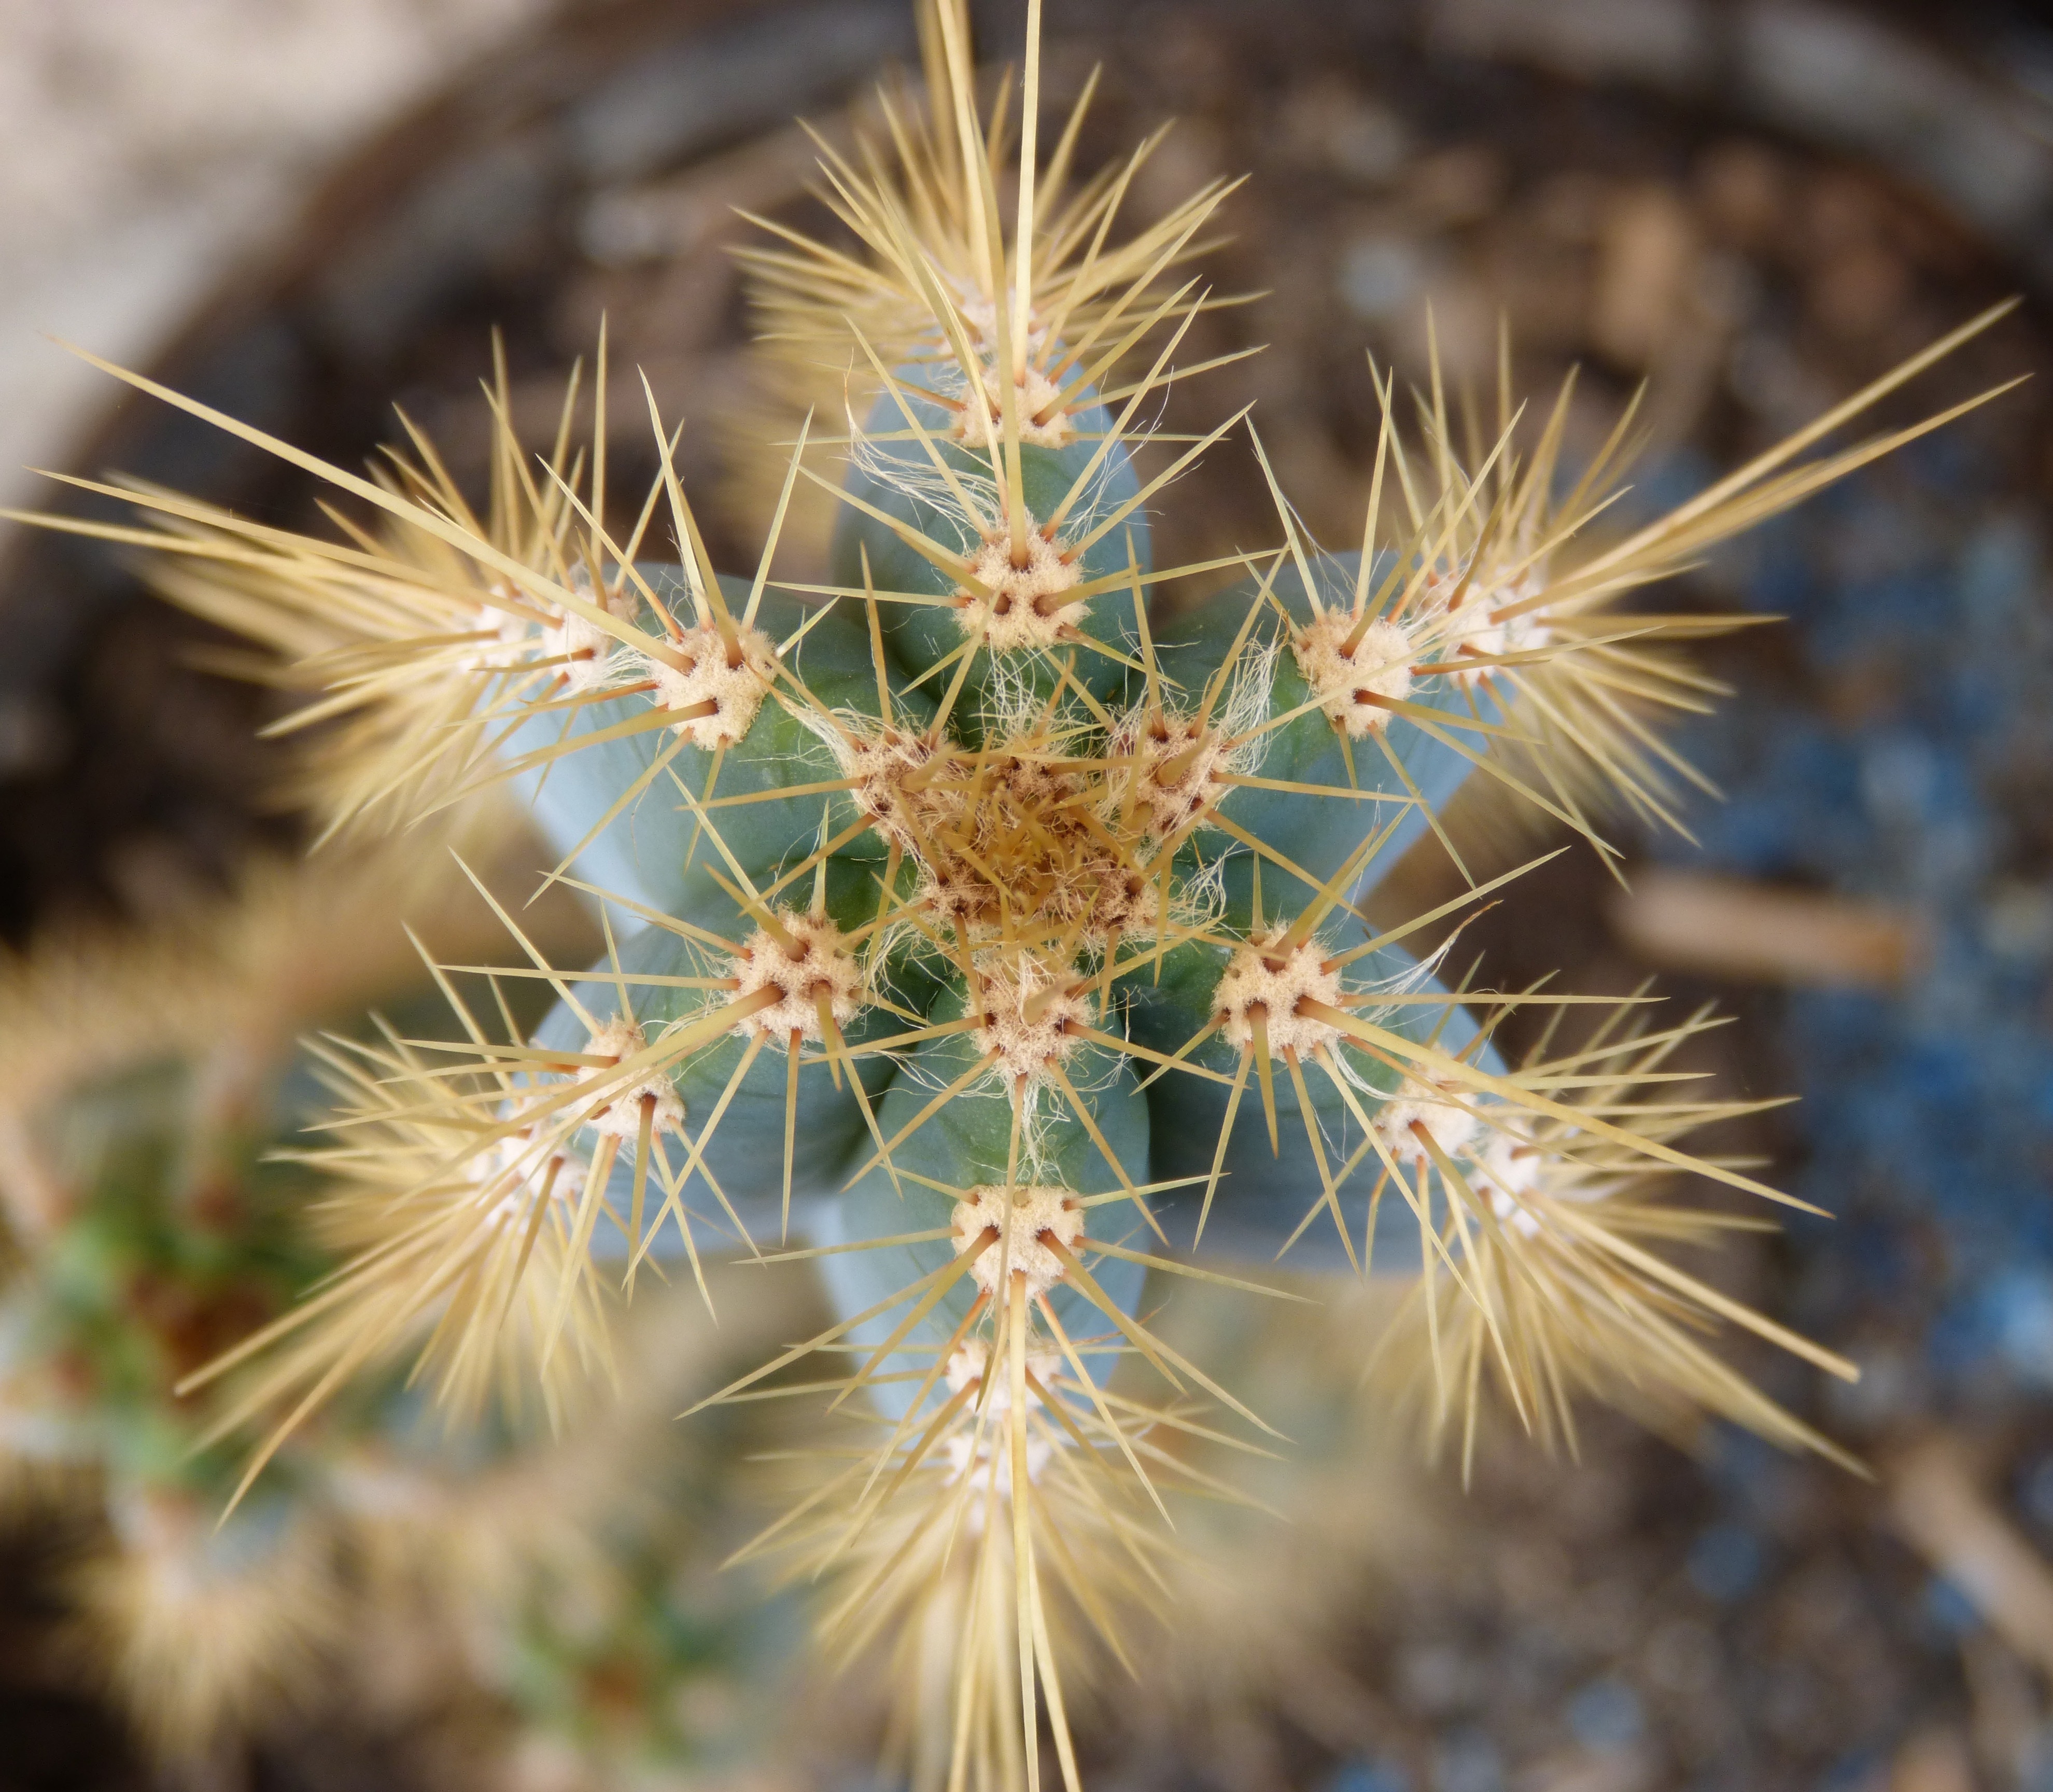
x=152 y=1220
x=984 y=927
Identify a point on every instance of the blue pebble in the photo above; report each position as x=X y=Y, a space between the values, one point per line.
x=1949 y=1610
x=1726 y=1562
x=1605 y=1716
x=1369 y=1776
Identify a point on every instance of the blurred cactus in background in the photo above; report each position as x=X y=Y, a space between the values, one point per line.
x=152 y=1220
x=145 y=1240
x=983 y=930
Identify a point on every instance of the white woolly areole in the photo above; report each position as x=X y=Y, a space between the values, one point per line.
x=980 y=1462
x=1168 y=788
x=1043 y=422
x=882 y=762
x=510 y=1174
x=513 y=634
x=580 y=651
x=819 y=966
x=1030 y=1215
x=968 y=1366
x=1263 y=975
x=1508 y=1175
x=1479 y=627
x=1027 y=1042
x=1023 y=610
x=738 y=689
x=620 y=1115
x=1380 y=666
x=1442 y=1109
x=1036 y=396
x=585 y=648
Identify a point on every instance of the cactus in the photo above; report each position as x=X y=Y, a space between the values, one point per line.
x=985 y=925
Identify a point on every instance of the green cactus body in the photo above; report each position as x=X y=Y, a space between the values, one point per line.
x=143 y=1283
x=1186 y=1129
x=972 y=1139
x=175 y=1241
